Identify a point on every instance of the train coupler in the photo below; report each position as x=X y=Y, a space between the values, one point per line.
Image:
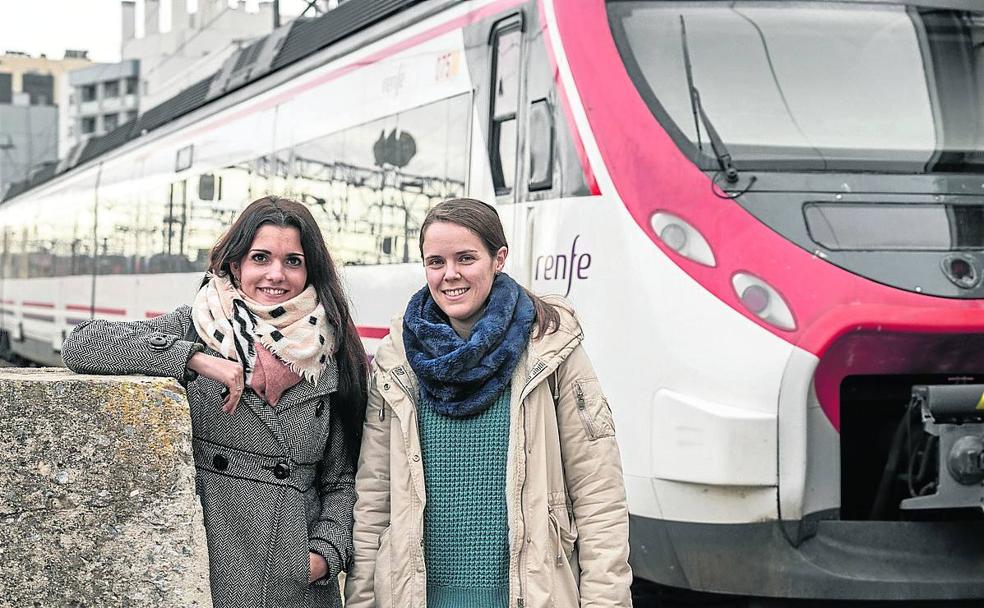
x=954 y=416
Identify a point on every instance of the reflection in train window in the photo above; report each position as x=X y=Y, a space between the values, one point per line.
x=60 y=245
x=117 y=233
x=370 y=186
x=270 y=175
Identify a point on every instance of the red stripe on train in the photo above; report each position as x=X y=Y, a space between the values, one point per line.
x=582 y=154
x=96 y=309
x=373 y=332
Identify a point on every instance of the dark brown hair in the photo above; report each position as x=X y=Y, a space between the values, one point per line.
x=482 y=219
x=321 y=273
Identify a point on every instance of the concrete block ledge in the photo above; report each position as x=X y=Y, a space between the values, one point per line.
x=97 y=492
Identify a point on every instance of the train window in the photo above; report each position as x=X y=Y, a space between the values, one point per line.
x=45 y=245
x=370 y=186
x=504 y=104
x=6 y=244
x=206 y=187
x=184 y=158
x=176 y=219
x=117 y=232
x=567 y=175
x=810 y=86
x=204 y=228
x=153 y=226
x=541 y=142
x=233 y=187
x=271 y=174
x=39 y=242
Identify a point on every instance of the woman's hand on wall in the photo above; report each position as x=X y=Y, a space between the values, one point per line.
x=317 y=567
x=229 y=373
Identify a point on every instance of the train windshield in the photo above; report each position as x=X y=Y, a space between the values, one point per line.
x=812 y=86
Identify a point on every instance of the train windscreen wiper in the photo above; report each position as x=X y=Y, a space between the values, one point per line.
x=717 y=144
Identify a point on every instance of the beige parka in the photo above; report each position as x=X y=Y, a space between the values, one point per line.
x=567 y=515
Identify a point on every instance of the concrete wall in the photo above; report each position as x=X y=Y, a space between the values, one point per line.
x=97 y=503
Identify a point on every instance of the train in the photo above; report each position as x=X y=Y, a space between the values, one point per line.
x=769 y=217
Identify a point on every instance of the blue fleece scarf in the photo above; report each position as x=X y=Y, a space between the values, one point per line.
x=460 y=378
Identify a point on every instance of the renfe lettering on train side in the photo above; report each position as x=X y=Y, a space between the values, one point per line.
x=563 y=266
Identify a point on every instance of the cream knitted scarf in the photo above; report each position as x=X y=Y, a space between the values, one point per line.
x=296 y=331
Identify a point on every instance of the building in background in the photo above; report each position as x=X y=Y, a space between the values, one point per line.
x=103 y=97
x=28 y=139
x=196 y=46
x=21 y=72
x=156 y=66
x=30 y=89
x=45 y=82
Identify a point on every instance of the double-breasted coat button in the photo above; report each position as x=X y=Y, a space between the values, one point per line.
x=159 y=342
x=220 y=462
x=281 y=471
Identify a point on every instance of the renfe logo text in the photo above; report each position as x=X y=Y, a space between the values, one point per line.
x=563 y=266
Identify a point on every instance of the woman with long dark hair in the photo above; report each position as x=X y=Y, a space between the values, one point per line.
x=489 y=474
x=276 y=380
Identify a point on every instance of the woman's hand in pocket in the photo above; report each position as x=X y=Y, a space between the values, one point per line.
x=317 y=567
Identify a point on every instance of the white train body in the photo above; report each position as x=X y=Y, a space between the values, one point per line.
x=728 y=438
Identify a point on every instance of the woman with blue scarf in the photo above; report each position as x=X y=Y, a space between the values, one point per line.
x=489 y=474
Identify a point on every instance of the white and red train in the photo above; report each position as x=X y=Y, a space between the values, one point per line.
x=770 y=217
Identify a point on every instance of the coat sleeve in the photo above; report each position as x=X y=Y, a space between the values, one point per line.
x=372 y=505
x=593 y=470
x=331 y=535
x=155 y=347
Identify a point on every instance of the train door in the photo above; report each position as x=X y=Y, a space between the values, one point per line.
x=505 y=41
x=505 y=135
x=535 y=180
x=532 y=151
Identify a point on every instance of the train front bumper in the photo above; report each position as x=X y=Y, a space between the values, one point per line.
x=827 y=559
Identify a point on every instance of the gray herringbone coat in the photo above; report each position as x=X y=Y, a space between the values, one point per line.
x=274 y=483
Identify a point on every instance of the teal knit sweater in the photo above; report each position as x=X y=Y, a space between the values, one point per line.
x=466 y=533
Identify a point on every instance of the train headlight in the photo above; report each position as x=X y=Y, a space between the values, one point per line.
x=683 y=238
x=762 y=300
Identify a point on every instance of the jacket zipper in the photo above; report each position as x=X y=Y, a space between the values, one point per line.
x=583 y=411
x=399 y=373
x=382 y=406
x=521 y=601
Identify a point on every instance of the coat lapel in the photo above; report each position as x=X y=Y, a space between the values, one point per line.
x=266 y=415
x=276 y=418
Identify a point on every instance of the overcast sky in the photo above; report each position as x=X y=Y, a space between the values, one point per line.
x=51 y=26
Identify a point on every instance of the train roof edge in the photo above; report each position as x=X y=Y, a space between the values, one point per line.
x=284 y=46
